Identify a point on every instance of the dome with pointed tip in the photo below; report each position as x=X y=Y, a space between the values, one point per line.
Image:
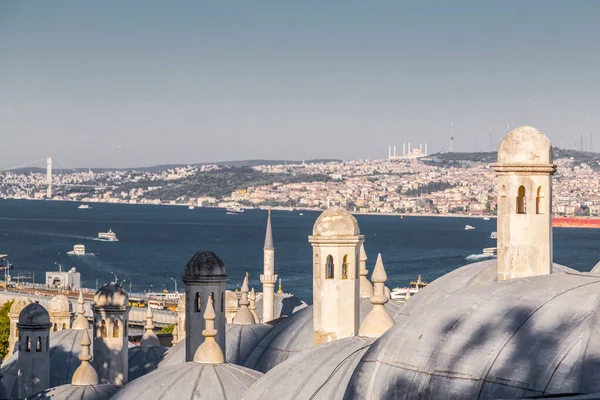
x=322 y=372
x=111 y=295
x=525 y=145
x=69 y=392
x=518 y=338
x=336 y=221
x=191 y=381
x=205 y=266
x=19 y=304
x=59 y=304
x=33 y=315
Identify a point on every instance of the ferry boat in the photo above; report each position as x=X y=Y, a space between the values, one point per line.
x=235 y=211
x=108 y=236
x=490 y=251
x=191 y=207
x=575 y=222
x=494 y=235
x=79 y=250
x=84 y=207
x=486 y=218
x=469 y=228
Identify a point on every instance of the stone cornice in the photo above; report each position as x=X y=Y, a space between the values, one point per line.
x=525 y=169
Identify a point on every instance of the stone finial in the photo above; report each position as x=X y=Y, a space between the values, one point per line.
x=149 y=339
x=209 y=351
x=252 y=306
x=366 y=288
x=378 y=321
x=407 y=296
x=244 y=316
x=80 y=321
x=85 y=374
x=280 y=290
x=175 y=339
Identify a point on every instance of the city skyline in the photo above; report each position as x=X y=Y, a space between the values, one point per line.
x=119 y=85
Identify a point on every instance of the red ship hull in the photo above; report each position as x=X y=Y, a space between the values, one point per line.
x=563 y=222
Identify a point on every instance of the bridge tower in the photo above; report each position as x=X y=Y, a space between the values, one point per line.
x=49 y=177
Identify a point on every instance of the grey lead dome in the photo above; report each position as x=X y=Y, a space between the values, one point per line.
x=205 y=265
x=34 y=314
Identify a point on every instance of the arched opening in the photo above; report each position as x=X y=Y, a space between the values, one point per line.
x=54 y=328
x=345 y=267
x=47 y=343
x=539 y=201
x=17 y=332
x=103 y=329
x=38 y=345
x=222 y=301
x=116 y=329
x=329 y=271
x=27 y=343
x=64 y=326
x=197 y=302
x=503 y=203
x=521 y=201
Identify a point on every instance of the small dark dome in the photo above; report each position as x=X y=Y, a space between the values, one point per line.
x=34 y=315
x=205 y=266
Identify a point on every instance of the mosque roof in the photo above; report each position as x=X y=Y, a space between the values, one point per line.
x=284 y=305
x=72 y=392
x=295 y=334
x=321 y=372
x=142 y=360
x=111 y=295
x=205 y=265
x=525 y=145
x=508 y=339
x=240 y=340
x=192 y=380
x=336 y=221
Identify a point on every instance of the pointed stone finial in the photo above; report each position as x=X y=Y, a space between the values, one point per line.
x=209 y=351
x=280 y=290
x=269 y=233
x=149 y=339
x=407 y=296
x=378 y=321
x=85 y=374
x=366 y=288
x=252 y=306
x=244 y=316
x=80 y=321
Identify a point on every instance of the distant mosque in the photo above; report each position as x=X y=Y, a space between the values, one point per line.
x=513 y=328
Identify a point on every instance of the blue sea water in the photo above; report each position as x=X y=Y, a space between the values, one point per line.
x=157 y=241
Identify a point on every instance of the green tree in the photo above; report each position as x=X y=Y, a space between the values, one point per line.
x=167 y=329
x=4 y=328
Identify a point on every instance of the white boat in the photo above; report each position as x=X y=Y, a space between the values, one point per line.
x=235 y=211
x=108 y=236
x=486 y=218
x=84 y=207
x=79 y=250
x=469 y=228
x=490 y=251
x=191 y=207
x=493 y=235
x=301 y=214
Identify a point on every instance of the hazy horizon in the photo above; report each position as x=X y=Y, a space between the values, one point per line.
x=117 y=84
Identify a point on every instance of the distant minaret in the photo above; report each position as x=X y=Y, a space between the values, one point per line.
x=420 y=147
x=389 y=151
x=394 y=150
x=403 y=149
x=426 y=148
x=524 y=171
x=408 y=148
x=49 y=177
x=268 y=277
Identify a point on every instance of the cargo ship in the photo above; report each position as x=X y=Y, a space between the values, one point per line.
x=574 y=222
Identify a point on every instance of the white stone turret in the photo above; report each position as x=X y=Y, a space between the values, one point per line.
x=244 y=316
x=336 y=242
x=111 y=317
x=209 y=352
x=252 y=306
x=59 y=309
x=366 y=288
x=13 y=315
x=149 y=339
x=378 y=320
x=34 y=343
x=205 y=277
x=80 y=322
x=524 y=170
x=268 y=277
x=85 y=374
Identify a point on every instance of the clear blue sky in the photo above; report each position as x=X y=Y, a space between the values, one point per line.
x=114 y=83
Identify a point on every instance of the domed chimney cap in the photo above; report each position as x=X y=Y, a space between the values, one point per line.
x=336 y=221
x=59 y=304
x=525 y=145
x=205 y=266
x=34 y=316
x=111 y=295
